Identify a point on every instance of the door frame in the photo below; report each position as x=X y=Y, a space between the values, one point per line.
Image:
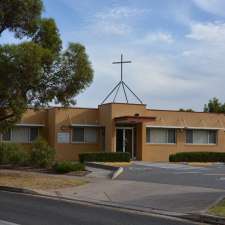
x=124 y=131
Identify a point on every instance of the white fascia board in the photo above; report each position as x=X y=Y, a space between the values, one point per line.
x=204 y=128
x=191 y=128
x=161 y=126
x=85 y=125
x=29 y=125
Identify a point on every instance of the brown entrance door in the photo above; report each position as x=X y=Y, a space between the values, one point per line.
x=124 y=140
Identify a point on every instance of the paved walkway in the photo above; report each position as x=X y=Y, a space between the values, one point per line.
x=153 y=195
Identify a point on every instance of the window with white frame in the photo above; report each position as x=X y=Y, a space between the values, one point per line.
x=201 y=136
x=84 y=135
x=20 y=134
x=160 y=135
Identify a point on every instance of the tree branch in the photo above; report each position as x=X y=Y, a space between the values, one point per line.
x=6 y=117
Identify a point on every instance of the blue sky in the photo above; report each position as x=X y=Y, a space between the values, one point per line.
x=177 y=47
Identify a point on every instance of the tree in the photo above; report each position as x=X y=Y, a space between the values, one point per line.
x=20 y=16
x=186 y=110
x=37 y=72
x=214 y=106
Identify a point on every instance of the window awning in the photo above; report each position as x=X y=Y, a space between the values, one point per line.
x=134 y=119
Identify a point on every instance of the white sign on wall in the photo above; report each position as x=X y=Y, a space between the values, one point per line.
x=63 y=137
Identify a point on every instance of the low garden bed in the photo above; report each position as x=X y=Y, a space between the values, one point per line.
x=41 y=158
x=198 y=157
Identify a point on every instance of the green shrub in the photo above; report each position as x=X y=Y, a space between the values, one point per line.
x=198 y=157
x=67 y=166
x=14 y=154
x=105 y=157
x=42 y=155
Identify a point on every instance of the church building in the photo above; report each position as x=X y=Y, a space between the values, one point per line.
x=147 y=134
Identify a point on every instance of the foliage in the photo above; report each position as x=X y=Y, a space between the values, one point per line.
x=214 y=106
x=37 y=71
x=20 y=16
x=42 y=155
x=11 y=153
x=186 y=110
x=105 y=157
x=198 y=157
x=68 y=166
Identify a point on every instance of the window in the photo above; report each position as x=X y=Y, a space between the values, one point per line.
x=201 y=136
x=84 y=135
x=21 y=134
x=160 y=136
x=33 y=133
x=78 y=134
x=6 y=136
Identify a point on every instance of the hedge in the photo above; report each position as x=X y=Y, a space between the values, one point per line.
x=67 y=166
x=105 y=157
x=11 y=153
x=198 y=157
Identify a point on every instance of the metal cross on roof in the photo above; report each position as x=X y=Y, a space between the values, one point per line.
x=121 y=62
x=121 y=83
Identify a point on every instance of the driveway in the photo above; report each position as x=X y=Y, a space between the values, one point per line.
x=177 y=187
x=167 y=187
x=177 y=174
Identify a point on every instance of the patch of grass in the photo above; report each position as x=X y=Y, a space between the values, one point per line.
x=218 y=210
x=200 y=164
x=37 y=181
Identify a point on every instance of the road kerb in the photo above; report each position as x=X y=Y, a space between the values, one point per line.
x=143 y=210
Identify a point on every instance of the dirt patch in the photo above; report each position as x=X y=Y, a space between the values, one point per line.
x=37 y=181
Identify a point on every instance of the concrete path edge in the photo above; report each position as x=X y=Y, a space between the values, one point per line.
x=116 y=171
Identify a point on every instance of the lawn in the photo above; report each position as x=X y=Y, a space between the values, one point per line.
x=37 y=180
x=219 y=209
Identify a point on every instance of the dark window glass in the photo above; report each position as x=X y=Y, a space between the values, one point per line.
x=33 y=133
x=78 y=134
x=6 y=136
x=212 y=136
x=189 y=136
x=171 y=136
x=148 y=130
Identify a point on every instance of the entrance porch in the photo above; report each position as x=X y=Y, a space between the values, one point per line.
x=129 y=135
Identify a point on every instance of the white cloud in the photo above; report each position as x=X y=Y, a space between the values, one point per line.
x=212 y=6
x=115 y=21
x=120 y=12
x=157 y=37
x=110 y=28
x=210 y=32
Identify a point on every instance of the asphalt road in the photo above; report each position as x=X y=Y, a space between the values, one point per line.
x=30 y=210
x=164 y=173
